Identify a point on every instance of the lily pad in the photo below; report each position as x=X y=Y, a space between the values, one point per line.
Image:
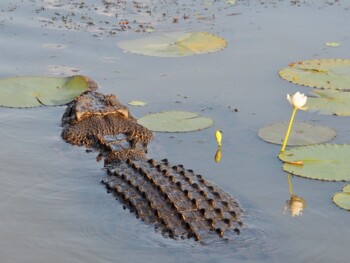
x=175 y=44
x=302 y=133
x=346 y=188
x=37 y=91
x=137 y=103
x=320 y=73
x=330 y=102
x=328 y=162
x=342 y=199
x=175 y=121
x=333 y=44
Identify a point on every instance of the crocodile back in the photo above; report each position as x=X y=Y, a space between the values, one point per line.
x=178 y=202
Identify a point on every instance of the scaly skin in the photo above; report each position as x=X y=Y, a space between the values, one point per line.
x=176 y=201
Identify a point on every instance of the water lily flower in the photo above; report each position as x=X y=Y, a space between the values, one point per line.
x=298 y=100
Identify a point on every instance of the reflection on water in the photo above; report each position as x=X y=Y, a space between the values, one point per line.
x=217 y=156
x=296 y=204
x=53 y=208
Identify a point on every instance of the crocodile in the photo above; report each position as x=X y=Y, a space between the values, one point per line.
x=178 y=202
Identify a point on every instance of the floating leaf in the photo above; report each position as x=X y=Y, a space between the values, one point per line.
x=175 y=44
x=137 y=103
x=175 y=121
x=328 y=162
x=320 y=73
x=330 y=102
x=333 y=44
x=38 y=91
x=302 y=133
x=342 y=199
x=231 y=2
x=346 y=188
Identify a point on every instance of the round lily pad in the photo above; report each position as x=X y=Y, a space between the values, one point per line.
x=302 y=133
x=346 y=188
x=342 y=199
x=330 y=102
x=137 y=103
x=333 y=44
x=175 y=121
x=175 y=44
x=328 y=162
x=38 y=91
x=319 y=73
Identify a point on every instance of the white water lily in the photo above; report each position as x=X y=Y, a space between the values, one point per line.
x=298 y=100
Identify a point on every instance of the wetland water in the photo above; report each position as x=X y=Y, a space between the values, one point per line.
x=53 y=208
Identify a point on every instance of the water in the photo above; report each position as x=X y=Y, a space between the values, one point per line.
x=53 y=208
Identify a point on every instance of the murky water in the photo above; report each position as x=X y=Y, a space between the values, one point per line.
x=53 y=208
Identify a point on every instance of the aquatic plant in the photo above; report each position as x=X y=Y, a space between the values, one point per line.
x=302 y=133
x=319 y=73
x=34 y=91
x=218 y=137
x=298 y=101
x=176 y=44
x=175 y=121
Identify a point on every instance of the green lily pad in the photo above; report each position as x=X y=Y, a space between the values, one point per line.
x=175 y=121
x=333 y=44
x=319 y=73
x=175 y=44
x=346 y=188
x=330 y=102
x=137 y=103
x=302 y=133
x=38 y=91
x=328 y=162
x=342 y=199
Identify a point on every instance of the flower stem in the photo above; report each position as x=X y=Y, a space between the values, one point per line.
x=290 y=185
x=288 y=131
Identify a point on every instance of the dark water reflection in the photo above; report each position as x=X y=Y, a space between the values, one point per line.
x=53 y=208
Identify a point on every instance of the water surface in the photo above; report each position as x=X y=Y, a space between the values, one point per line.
x=53 y=208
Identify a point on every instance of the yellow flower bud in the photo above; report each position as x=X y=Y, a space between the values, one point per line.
x=218 y=137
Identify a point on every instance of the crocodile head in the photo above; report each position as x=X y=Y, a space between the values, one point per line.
x=101 y=121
